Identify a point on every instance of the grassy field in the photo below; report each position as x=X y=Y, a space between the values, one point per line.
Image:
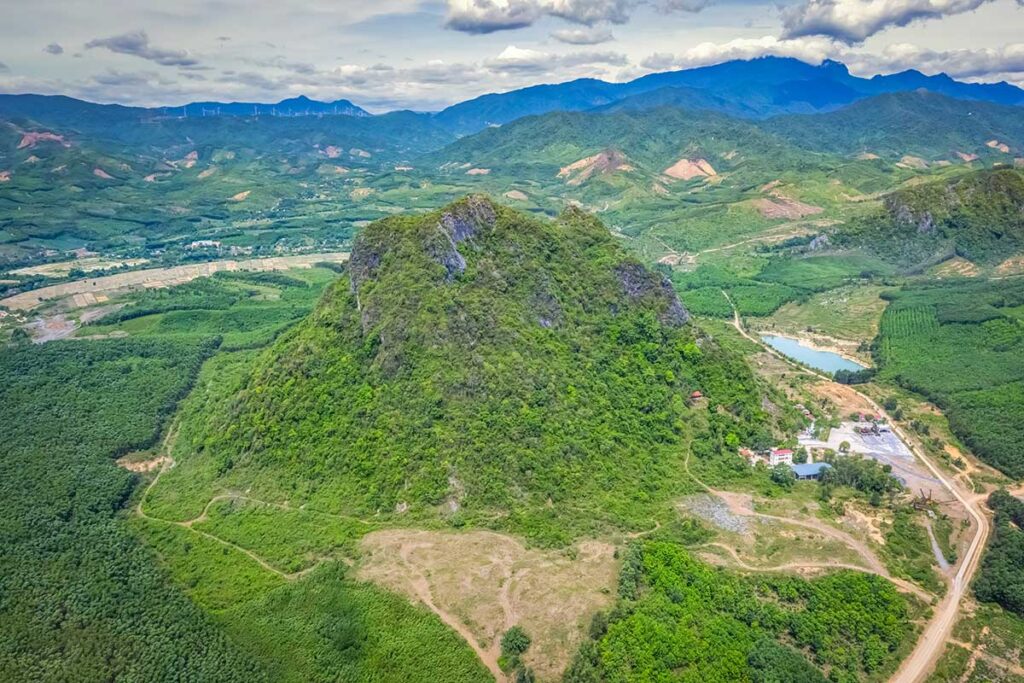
x=850 y=312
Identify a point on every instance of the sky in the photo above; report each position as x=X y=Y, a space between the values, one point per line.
x=427 y=54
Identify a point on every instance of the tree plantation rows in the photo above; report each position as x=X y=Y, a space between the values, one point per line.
x=961 y=344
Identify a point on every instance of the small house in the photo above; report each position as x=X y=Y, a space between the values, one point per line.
x=810 y=470
x=780 y=456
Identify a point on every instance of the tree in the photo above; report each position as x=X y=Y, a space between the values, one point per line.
x=844 y=447
x=800 y=456
x=783 y=476
x=515 y=642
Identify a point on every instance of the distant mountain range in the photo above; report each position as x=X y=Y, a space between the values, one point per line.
x=295 y=106
x=757 y=88
x=754 y=89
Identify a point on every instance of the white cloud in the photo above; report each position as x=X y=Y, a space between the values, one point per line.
x=812 y=50
x=583 y=36
x=488 y=16
x=852 y=21
x=1002 y=62
x=136 y=43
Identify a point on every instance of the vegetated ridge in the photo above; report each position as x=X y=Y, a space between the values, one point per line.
x=475 y=358
x=978 y=216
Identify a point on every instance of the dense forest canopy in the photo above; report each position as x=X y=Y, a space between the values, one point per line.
x=474 y=358
x=82 y=598
x=960 y=344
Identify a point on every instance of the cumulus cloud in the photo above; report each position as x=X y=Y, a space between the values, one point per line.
x=488 y=16
x=585 y=36
x=1007 y=60
x=514 y=59
x=136 y=43
x=852 y=21
x=812 y=50
x=54 y=49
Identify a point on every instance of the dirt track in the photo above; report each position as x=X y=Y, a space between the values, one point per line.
x=930 y=645
x=90 y=291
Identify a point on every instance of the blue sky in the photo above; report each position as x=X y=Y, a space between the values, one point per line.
x=424 y=55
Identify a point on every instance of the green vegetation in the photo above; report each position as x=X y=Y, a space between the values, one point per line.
x=475 y=359
x=247 y=310
x=1001 y=579
x=960 y=344
x=978 y=216
x=892 y=125
x=291 y=540
x=680 y=619
x=908 y=553
x=82 y=598
x=322 y=627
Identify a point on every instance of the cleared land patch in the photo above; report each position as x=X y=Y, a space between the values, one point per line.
x=81 y=293
x=490 y=582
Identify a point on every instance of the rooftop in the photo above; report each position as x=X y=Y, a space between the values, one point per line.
x=809 y=468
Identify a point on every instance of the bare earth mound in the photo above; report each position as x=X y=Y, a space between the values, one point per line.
x=780 y=206
x=688 y=169
x=608 y=161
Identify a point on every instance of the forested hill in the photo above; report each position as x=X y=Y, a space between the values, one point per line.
x=478 y=358
x=978 y=216
x=921 y=124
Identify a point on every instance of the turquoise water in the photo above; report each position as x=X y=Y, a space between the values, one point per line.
x=826 y=361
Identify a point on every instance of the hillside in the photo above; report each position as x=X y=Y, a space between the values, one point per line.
x=920 y=124
x=754 y=88
x=477 y=359
x=978 y=216
x=653 y=140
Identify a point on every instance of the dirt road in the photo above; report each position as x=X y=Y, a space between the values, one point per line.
x=90 y=291
x=926 y=653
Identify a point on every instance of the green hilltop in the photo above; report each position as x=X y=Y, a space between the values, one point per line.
x=978 y=216
x=477 y=359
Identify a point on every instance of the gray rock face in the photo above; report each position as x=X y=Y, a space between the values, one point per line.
x=638 y=282
x=457 y=225
x=465 y=219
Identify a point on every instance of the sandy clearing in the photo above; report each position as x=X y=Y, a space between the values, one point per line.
x=100 y=173
x=90 y=291
x=482 y=583
x=241 y=196
x=605 y=161
x=32 y=139
x=517 y=195
x=688 y=169
x=5 y=176
x=909 y=161
x=1011 y=266
x=1001 y=146
x=781 y=206
x=956 y=267
x=361 y=193
x=142 y=466
x=966 y=157
x=478 y=171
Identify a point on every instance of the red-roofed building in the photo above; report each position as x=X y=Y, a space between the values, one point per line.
x=780 y=456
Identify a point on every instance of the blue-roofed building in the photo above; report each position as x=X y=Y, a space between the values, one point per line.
x=810 y=470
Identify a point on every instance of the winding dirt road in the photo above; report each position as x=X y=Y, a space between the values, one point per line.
x=932 y=641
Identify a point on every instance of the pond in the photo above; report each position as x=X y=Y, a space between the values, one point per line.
x=826 y=361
